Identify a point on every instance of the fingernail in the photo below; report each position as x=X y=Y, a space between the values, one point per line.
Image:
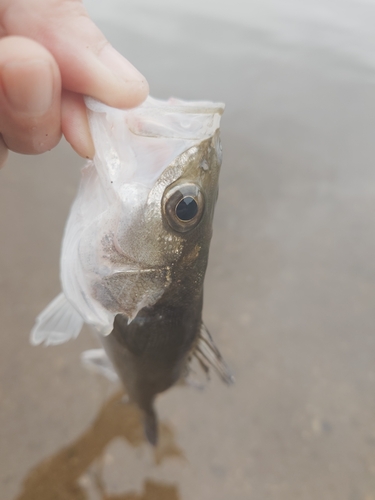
x=120 y=66
x=28 y=85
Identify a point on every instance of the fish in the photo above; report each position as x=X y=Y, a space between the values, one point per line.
x=135 y=248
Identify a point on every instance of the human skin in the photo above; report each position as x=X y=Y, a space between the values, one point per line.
x=51 y=55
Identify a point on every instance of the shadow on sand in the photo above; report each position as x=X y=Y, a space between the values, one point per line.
x=58 y=477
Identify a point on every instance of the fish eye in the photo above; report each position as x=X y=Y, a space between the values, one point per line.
x=183 y=206
x=187 y=209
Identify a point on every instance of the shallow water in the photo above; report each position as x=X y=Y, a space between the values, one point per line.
x=290 y=288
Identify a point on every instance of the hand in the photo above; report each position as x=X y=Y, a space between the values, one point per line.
x=51 y=54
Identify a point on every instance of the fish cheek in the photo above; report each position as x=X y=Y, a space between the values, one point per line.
x=156 y=245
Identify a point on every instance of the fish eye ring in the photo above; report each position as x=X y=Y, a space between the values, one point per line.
x=183 y=206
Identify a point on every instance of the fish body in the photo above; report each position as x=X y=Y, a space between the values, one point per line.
x=151 y=353
x=136 y=245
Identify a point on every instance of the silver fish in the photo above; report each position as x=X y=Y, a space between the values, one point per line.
x=136 y=246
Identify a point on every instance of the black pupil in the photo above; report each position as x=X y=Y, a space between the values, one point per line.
x=187 y=209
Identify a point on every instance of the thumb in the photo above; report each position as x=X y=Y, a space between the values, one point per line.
x=88 y=63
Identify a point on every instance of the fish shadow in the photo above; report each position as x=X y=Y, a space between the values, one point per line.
x=58 y=477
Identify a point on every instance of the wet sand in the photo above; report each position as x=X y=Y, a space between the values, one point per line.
x=290 y=288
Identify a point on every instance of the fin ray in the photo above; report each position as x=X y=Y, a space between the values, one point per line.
x=97 y=361
x=208 y=355
x=57 y=323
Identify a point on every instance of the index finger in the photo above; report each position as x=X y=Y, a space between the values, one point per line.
x=88 y=64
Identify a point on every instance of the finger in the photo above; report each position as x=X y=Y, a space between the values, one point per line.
x=88 y=63
x=75 y=125
x=30 y=94
x=3 y=152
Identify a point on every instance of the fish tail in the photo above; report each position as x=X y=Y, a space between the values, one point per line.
x=150 y=425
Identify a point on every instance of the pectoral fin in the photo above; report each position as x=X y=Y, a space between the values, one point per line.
x=58 y=323
x=97 y=361
x=208 y=355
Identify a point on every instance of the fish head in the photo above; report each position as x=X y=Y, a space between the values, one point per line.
x=175 y=223
x=160 y=188
x=165 y=244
